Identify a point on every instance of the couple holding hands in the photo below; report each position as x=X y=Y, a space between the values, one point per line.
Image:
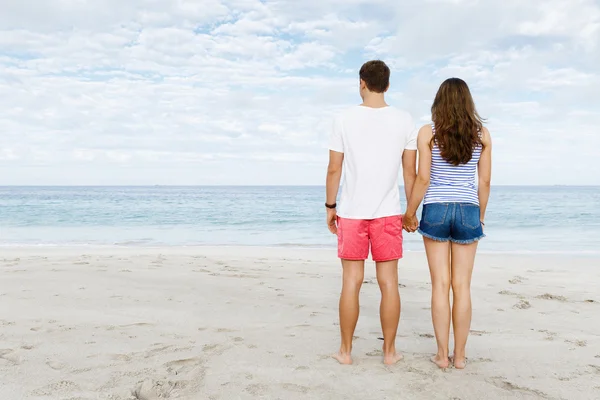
x=371 y=143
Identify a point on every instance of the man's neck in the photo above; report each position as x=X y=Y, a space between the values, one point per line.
x=374 y=100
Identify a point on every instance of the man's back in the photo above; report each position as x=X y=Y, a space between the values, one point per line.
x=372 y=140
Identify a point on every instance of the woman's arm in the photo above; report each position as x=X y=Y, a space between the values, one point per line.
x=423 y=174
x=484 y=169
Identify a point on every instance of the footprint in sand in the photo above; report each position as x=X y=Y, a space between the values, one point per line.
x=184 y=365
x=120 y=357
x=516 y=280
x=210 y=347
x=57 y=388
x=55 y=365
x=225 y=330
x=511 y=387
x=596 y=368
x=146 y=391
x=578 y=343
x=548 y=296
x=292 y=387
x=257 y=389
x=138 y=324
x=10 y=355
x=550 y=336
x=481 y=360
x=522 y=305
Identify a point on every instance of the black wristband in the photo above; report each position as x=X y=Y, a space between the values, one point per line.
x=331 y=206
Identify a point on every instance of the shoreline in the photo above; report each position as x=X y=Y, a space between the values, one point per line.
x=292 y=247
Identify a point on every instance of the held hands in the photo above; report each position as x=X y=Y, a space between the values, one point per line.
x=410 y=223
x=332 y=220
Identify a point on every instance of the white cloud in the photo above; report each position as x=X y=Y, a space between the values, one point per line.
x=242 y=91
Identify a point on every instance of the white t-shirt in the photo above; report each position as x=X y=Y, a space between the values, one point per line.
x=372 y=140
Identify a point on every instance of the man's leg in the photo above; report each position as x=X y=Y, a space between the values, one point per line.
x=354 y=274
x=386 y=246
x=389 y=310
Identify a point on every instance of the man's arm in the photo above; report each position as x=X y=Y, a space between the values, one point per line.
x=332 y=185
x=334 y=175
x=409 y=171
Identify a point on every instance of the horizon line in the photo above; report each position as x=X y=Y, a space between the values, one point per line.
x=264 y=185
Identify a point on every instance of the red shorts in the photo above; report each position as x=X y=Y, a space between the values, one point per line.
x=384 y=235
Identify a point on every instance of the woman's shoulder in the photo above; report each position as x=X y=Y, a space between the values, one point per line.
x=485 y=135
x=426 y=130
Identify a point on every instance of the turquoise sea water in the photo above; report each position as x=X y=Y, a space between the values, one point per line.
x=519 y=219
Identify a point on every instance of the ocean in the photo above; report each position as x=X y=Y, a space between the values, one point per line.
x=519 y=219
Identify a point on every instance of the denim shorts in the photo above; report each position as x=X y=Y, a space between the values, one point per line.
x=455 y=222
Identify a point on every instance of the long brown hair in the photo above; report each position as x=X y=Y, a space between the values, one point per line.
x=457 y=123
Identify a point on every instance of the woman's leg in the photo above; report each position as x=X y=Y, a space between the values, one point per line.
x=438 y=257
x=463 y=258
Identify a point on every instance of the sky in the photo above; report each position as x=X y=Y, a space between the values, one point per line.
x=243 y=92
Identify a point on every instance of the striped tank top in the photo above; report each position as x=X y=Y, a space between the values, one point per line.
x=452 y=183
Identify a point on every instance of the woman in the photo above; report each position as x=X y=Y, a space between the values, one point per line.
x=451 y=150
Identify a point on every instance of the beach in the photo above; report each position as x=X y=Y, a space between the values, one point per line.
x=261 y=323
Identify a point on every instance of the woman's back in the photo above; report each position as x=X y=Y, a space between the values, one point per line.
x=452 y=183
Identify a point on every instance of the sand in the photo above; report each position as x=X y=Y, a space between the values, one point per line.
x=258 y=323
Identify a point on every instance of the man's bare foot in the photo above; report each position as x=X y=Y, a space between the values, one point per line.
x=442 y=363
x=343 y=358
x=392 y=358
x=459 y=363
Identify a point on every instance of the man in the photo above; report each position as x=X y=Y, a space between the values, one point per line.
x=370 y=142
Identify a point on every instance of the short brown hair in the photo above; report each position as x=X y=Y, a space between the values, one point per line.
x=376 y=75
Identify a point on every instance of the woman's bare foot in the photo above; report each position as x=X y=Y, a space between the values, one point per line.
x=441 y=362
x=460 y=363
x=343 y=358
x=392 y=358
